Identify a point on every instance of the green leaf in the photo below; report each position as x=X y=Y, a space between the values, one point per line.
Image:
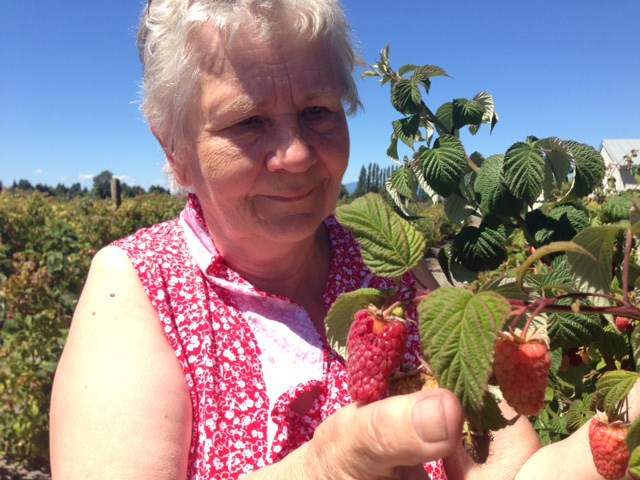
x=613 y=387
x=406 y=97
x=561 y=223
x=424 y=74
x=589 y=166
x=568 y=330
x=616 y=208
x=444 y=165
x=455 y=272
x=340 y=315
x=559 y=161
x=594 y=275
x=634 y=463
x=403 y=181
x=392 y=150
x=633 y=435
x=635 y=342
x=490 y=115
x=491 y=191
x=445 y=115
x=458 y=209
x=406 y=129
x=458 y=331
x=524 y=171
x=390 y=245
x=481 y=248
x=467 y=112
x=580 y=412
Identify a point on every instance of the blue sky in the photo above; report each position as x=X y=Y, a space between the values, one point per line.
x=70 y=72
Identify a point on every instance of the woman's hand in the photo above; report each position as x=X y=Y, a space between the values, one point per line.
x=389 y=438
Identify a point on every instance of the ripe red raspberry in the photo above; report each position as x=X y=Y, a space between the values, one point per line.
x=521 y=366
x=608 y=447
x=375 y=347
x=624 y=324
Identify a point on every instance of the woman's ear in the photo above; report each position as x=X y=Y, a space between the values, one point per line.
x=177 y=164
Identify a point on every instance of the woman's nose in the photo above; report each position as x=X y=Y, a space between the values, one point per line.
x=291 y=151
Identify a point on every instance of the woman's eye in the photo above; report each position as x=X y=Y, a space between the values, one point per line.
x=315 y=110
x=250 y=122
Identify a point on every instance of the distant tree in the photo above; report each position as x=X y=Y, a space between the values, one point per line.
x=344 y=193
x=130 y=192
x=22 y=185
x=158 y=189
x=102 y=184
x=44 y=189
x=361 y=186
x=76 y=190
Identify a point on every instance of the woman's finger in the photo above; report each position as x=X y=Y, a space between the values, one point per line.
x=371 y=441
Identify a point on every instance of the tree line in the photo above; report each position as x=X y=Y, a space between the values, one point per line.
x=101 y=188
x=372 y=178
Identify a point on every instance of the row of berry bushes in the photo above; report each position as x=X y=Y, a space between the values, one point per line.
x=46 y=246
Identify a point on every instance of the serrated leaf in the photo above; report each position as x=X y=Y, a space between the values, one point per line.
x=594 y=275
x=492 y=192
x=444 y=165
x=403 y=70
x=580 y=412
x=559 y=160
x=403 y=180
x=540 y=253
x=406 y=97
x=490 y=116
x=613 y=387
x=392 y=150
x=390 y=245
x=445 y=115
x=406 y=129
x=616 y=208
x=455 y=272
x=524 y=172
x=567 y=330
x=634 y=463
x=424 y=74
x=481 y=248
x=633 y=435
x=458 y=331
x=467 y=112
x=340 y=315
x=635 y=343
x=589 y=169
x=458 y=209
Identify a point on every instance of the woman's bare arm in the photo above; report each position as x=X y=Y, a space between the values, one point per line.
x=120 y=405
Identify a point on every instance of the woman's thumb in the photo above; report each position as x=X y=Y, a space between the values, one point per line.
x=371 y=440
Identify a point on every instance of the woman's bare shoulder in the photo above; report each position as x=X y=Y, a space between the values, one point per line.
x=120 y=404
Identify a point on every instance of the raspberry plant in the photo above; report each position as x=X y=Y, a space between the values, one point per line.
x=541 y=250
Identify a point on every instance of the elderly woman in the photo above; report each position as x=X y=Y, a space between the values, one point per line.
x=198 y=347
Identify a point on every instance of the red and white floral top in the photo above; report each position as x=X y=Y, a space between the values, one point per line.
x=246 y=355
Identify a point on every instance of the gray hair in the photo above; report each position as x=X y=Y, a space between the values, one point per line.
x=171 y=69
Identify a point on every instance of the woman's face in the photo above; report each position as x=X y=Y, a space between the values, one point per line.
x=270 y=140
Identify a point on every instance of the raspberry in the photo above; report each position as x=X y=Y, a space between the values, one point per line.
x=608 y=447
x=411 y=381
x=624 y=324
x=521 y=366
x=375 y=346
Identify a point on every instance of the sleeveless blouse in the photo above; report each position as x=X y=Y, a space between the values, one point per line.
x=247 y=355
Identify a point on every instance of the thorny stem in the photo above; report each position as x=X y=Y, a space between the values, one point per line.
x=520 y=307
x=626 y=264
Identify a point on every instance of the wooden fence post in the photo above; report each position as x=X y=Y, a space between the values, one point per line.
x=116 y=191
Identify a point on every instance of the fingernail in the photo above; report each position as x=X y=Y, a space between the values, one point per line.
x=429 y=421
